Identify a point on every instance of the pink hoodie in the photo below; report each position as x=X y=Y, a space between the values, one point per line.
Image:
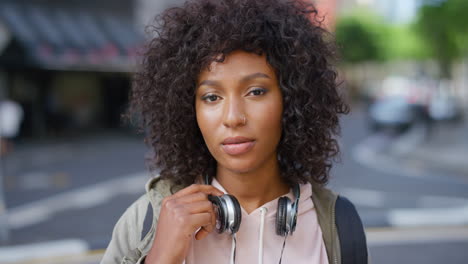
x=304 y=246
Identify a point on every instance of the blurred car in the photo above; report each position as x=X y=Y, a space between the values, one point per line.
x=444 y=107
x=394 y=113
x=399 y=103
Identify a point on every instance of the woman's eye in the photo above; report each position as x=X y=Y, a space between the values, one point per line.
x=210 y=98
x=257 y=92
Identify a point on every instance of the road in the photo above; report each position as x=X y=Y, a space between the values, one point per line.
x=411 y=211
x=383 y=189
x=75 y=191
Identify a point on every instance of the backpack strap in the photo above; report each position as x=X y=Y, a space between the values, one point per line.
x=156 y=190
x=148 y=222
x=350 y=232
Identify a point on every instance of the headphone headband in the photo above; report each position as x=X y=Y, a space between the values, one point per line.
x=295 y=207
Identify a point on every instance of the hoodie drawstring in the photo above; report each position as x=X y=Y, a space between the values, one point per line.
x=233 y=249
x=263 y=212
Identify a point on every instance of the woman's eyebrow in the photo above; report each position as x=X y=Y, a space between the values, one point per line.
x=243 y=80
x=209 y=83
x=255 y=76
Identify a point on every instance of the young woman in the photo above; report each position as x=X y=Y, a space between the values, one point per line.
x=237 y=97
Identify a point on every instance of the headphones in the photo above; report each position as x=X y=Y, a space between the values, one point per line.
x=229 y=215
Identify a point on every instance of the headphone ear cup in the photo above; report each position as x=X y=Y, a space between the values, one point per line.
x=224 y=213
x=237 y=214
x=221 y=213
x=281 y=216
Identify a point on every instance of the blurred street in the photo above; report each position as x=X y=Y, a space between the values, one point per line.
x=75 y=191
x=91 y=170
x=69 y=168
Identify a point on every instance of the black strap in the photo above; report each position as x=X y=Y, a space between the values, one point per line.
x=148 y=222
x=351 y=233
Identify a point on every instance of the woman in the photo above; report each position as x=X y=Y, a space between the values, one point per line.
x=238 y=97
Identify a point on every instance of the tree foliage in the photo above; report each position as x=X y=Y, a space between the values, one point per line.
x=443 y=24
x=359 y=37
x=439 y=32
x=362 y=36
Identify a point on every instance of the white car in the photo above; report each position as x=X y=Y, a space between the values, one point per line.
x=444 y=107
x=392 y=113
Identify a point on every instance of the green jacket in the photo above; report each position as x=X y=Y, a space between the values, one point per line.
x=127 y=247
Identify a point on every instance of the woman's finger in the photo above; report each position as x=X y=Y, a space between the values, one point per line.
x=202 y=233
x=206 y=230
x=198 y=220
x=194 y=197
x=199 y=207
x=207 y=189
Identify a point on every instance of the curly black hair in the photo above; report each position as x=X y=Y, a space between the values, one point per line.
x=188 y=38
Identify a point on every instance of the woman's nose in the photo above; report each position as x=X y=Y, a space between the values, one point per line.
x=234 y=114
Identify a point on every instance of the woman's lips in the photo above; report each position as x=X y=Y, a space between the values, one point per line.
x=239 y=148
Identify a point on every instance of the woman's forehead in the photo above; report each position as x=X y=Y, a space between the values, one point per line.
x=238 y=64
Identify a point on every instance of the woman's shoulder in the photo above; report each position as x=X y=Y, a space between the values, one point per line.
x=125 y=236
x=323 y=196
x=158 y=188
x=133 y=232
x=132 y=220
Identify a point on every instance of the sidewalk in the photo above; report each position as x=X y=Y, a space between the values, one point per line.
x=445 y=149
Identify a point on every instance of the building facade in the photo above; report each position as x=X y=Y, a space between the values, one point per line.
x=67 y=63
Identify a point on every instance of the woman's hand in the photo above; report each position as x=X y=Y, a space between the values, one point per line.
x=181 y=215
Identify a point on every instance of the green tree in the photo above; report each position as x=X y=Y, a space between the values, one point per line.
x=458 y=20
x=363 y=37
x=443 y=25
x=359 y=38
x=403 y=43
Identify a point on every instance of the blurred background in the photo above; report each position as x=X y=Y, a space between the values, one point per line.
x=69 y=167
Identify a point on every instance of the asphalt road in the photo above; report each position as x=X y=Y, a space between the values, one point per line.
x=77 y=190
x=382 y=188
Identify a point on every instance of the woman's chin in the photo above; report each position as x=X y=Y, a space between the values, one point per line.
x=239 y=167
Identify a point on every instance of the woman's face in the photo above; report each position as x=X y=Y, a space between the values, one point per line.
x=239 y=108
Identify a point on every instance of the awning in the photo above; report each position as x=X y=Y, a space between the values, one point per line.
x=71 y=38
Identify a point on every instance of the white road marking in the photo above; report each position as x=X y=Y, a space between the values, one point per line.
x=399 y=236
x=434 y=210
x=364 y=154
x=370 y=153
x=429 y=217
x=432 y=201
x=85 y=197
x=363 y=197
x=14 y=254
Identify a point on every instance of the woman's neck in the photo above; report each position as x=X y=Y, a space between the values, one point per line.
x=253 y=188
